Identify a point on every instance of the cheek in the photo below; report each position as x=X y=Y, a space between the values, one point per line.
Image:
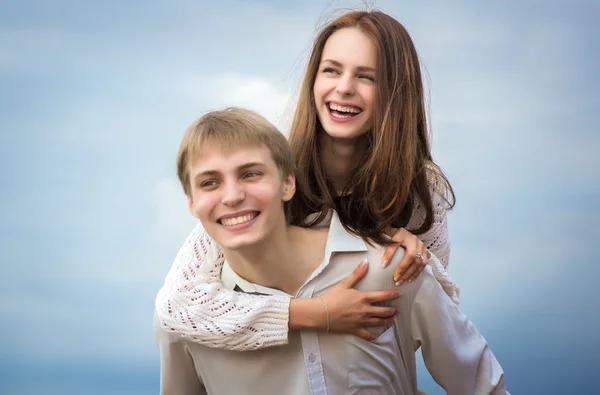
x=268 y=196
x=370 y=97
x=204 y=205
x=319 y=90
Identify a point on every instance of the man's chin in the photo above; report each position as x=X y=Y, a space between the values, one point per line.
x=238 y=243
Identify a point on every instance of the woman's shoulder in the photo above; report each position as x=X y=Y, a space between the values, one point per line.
x=441 y=194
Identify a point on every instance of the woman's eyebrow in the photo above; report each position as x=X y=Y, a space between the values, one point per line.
x=338 y=64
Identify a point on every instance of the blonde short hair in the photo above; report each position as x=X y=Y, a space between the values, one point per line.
x=232 y=127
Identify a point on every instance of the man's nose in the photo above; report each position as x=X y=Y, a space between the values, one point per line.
x=233 y=194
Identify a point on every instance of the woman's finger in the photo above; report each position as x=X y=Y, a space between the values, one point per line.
x=357 y=274
x=382 y=312
x=404 y=264
x=373 y=321
x=398 y=240
x=421 y=259
x=381 y=296
x=365 y=334
x=413 y=270
x=389 y=252
x=417 y=272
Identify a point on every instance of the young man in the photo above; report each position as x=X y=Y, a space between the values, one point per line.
x=237 y=171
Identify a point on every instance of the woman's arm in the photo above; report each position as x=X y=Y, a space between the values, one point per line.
x=436 y=240
x=194 y=303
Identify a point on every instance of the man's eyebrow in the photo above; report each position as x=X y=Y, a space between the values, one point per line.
x=210 y=172
x=206 y=173
x=338 y=64
x=250 y=164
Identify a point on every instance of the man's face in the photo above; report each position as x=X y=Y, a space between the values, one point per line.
x=238 y=194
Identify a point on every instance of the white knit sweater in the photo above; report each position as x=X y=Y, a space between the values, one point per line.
x=194 y=303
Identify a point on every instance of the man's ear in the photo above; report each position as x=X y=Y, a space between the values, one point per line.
x=191 y=206
x=289 y=187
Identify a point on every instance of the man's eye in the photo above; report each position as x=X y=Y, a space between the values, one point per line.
x=251 y=174
x=208 y=183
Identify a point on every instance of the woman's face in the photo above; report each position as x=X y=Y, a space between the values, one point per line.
x=344 y=88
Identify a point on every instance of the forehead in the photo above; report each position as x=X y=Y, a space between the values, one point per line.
x=216 y=157
x=350 y=46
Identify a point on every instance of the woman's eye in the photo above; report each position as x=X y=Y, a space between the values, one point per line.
x=328 y=70
x=367 y=77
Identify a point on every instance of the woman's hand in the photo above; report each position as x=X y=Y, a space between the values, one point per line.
x=414 y=260
x=351 y=311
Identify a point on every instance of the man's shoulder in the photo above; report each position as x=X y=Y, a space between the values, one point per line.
x=163 y=335
x=426 y=288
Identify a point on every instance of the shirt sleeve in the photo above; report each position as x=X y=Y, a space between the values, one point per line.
x=178 y=374
x=443 y=277
x=194 y=303
x=455 y=353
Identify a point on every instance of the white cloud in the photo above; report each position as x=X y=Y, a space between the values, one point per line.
x=268 y=98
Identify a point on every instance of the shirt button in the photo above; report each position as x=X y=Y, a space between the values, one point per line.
x=312 y=357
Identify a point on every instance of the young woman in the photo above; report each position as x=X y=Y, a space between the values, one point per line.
x=360 y=139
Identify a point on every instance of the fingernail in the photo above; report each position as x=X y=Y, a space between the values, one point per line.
x=399 y=283
x=396 y=277
x=385 y=262
x=410 y=280
x=363 y=264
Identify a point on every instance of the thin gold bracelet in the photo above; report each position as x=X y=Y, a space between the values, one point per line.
x=326 y=311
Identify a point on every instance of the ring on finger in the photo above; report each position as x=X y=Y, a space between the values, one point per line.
x=419 y=256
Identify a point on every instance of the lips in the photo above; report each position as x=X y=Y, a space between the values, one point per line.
x=343 y=111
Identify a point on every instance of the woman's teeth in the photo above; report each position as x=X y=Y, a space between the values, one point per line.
x=338 y=108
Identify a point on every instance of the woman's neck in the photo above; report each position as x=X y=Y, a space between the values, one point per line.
x=339 y=157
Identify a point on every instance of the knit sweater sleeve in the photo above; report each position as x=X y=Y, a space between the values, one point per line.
x=194 y=303
x=436 y=239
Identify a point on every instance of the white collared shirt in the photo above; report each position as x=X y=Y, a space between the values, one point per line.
x=316 y=363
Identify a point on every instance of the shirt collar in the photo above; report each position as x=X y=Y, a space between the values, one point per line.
x=338 y=240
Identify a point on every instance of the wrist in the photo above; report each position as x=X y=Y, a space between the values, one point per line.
x=307 y=313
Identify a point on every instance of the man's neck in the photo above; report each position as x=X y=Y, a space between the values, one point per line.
x=339 y=157
x=282 y=261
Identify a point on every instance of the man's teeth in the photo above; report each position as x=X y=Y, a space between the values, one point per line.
x=339 y=108
x=238 y=220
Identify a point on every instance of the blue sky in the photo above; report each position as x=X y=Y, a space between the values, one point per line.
x=94 y=97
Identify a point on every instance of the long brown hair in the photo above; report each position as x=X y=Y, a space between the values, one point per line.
x=397 y=168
